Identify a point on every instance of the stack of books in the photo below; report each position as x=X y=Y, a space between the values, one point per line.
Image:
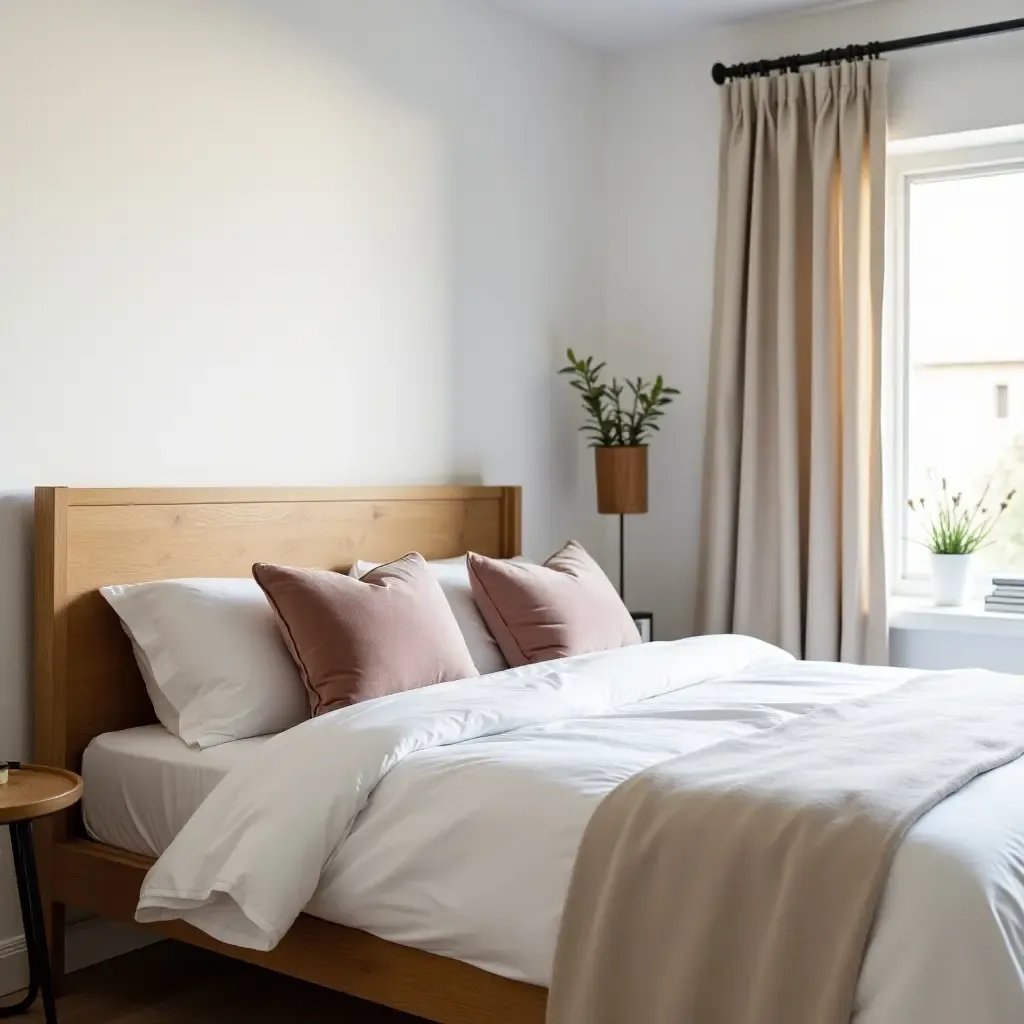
x=1007 y=595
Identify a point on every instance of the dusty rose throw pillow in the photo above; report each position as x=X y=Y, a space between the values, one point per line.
x=358 y=639
x=564 y=607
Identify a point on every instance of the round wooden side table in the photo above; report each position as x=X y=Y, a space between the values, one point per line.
x=31 y=792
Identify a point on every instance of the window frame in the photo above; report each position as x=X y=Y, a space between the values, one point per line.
x=910 y=162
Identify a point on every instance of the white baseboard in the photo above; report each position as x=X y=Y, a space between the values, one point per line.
x=88 y=942
x=13 y=965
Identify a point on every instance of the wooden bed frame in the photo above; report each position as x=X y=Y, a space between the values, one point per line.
x=87 y=683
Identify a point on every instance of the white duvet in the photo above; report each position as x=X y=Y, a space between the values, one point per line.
x=448 y=819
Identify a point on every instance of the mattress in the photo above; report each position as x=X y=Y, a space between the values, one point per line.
x=142 y=785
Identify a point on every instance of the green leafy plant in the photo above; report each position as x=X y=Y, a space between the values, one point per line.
x=612 y=422
x=955 y=527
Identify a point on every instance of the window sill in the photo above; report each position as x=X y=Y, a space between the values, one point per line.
x=916 y=613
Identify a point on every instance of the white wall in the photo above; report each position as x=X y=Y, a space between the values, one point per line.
x=941 y=649
x=285 y=241
x=663 y=151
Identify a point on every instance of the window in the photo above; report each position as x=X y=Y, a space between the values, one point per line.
x=956 y=335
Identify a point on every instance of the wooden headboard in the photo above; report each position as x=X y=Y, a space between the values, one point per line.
x=87 y=682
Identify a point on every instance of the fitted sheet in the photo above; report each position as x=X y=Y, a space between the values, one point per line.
x=142 y=785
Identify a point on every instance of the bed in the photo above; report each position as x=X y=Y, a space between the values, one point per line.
x=498 y=780
x=87 y=684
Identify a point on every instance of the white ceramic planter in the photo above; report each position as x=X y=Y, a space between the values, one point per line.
x=952 y=576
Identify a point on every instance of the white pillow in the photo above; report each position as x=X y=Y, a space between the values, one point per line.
x=453 y=576
x=212 y=658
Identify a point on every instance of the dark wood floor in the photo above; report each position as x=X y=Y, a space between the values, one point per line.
x=173 y=984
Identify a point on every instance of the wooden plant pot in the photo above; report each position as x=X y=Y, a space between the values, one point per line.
x=621 y=480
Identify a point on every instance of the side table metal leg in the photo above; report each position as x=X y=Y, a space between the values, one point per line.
x=26 y=919
x=32 y=920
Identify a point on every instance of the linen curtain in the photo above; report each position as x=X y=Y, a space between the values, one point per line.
x=792 y=546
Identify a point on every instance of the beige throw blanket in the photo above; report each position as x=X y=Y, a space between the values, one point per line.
x=738 y=885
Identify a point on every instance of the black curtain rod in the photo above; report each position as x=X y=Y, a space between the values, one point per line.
x=722 y=74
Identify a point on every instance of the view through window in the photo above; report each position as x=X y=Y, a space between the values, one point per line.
x=963 y=420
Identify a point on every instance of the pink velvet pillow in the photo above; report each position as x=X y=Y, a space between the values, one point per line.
x=564 y=607
x=357 y=639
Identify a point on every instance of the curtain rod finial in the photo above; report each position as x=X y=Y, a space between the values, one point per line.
x=719 y=73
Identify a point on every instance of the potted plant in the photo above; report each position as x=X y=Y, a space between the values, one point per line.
x=955 y=531
x=621 y=416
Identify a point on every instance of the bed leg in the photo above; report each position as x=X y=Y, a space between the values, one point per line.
x=48 y=831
